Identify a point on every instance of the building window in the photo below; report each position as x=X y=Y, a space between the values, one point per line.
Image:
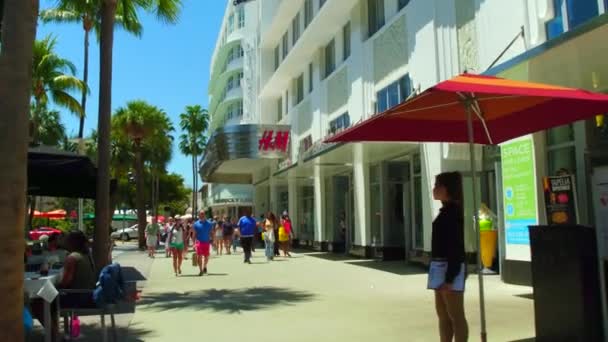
x=231 y=23
x=346 y=40
x=375 y=16
x=285 y=42
x=300 y=89
x=295 y=29
x=307 y=12
x=241 y=15
x=394 y=94
x=330 y=57
x=310 y=78
x=403 y=3
x=280 y=108
x=306 y=143
x=561 y=149
x=577 y=12
x=276 y=57
x=338 y=124
x=321 y=3
x=286 y=101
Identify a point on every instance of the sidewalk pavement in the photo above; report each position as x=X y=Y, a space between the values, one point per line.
x=313 y=297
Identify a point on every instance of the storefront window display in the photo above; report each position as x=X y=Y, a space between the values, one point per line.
x=561 y=150
x=307 y=213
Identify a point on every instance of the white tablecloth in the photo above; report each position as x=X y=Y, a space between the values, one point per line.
x=36 y=285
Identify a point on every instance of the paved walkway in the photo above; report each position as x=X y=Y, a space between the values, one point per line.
x=312 y=297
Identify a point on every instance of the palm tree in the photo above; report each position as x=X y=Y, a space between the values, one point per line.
x=141 y=123
x=165 y=10
x=49 y=130
x=52 y=77
x=86 y=13
x=16 y=52
x=158 y=152
x=194 y=123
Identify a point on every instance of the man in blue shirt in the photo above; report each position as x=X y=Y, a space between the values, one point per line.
x=247 y=227
x=202 y=231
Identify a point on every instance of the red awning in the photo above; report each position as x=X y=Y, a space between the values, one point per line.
x=502 y=110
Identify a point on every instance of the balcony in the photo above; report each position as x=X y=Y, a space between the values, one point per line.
x=220 y=108
x=221 y=51
x=229 y=69
x=324 y=26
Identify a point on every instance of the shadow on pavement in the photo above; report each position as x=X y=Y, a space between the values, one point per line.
x=397 y=267
x=93 y=333
x=231 y=301
x=531 y=339
x=526 y=296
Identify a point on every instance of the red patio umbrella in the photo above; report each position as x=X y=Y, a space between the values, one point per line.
x=478 y=110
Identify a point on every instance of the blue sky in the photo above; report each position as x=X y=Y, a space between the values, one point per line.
x=168 y=66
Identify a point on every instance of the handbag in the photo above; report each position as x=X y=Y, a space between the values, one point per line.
x=194 y=259
x=283 y=236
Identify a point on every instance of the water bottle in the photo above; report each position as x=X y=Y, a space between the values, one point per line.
x=75 y=328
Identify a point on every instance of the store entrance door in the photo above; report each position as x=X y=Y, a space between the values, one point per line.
x=343 y=232
x=397 y=211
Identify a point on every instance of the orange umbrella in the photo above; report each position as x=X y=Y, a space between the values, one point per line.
x=478 y=110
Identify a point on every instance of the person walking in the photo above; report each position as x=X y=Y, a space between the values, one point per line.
x=227 y=233
x=202 y=230
x=175 y=241
x=218 y=240
x=247 y=228
x=188 y=235
x=270 y=227
x=235 y=236
x=152 y=232
x=285 y=234
x=447 y=269
x=168 y=227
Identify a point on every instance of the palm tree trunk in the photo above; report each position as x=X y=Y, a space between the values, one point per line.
x=157 y=193
x=33 y=200
x=18 y=32
x=195 y=183
x=139 y=196
x=85 y=76
x=193 y=188
x=102 y=203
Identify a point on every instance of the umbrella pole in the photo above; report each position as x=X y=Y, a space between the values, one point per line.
x=482 y=306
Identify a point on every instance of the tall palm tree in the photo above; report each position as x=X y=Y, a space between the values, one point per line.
x=16 y=52
x=158 y=151
x=86 y=13
x=141 y=123
x=52 y=77
x=194 y=122
x=165 y=10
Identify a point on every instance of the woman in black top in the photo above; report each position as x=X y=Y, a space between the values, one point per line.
x=448 y=246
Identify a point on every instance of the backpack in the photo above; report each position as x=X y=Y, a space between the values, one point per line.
x=110 y=286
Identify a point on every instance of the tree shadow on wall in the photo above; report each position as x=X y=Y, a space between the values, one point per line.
x=232 y=301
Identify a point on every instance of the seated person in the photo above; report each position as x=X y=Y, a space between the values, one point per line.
x=78 y=273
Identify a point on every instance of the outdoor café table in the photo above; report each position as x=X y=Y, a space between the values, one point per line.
x=38 y=286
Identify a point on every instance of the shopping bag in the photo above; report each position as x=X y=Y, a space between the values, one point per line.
x=194 y=260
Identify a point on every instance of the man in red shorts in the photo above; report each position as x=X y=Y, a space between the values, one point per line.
x=202 y=230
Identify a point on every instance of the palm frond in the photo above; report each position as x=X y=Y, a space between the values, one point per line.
x=57 y=15
x=66 y=100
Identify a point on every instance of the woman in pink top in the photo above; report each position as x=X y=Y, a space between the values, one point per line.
x=285 y=236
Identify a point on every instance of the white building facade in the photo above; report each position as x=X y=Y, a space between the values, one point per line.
x=322 y=65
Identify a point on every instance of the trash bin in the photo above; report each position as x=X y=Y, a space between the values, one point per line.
x=567 y=300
